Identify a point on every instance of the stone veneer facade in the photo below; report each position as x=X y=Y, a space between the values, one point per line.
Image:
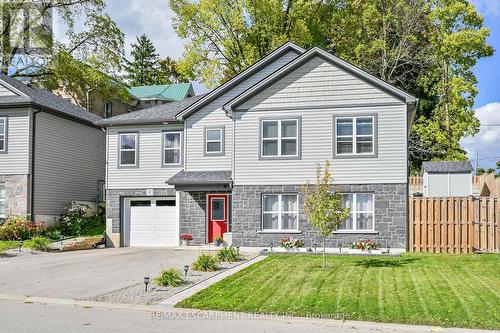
x=16 y=194
x=390 y=216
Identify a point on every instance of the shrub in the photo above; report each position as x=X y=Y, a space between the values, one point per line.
x=365 y=245
x=53 y=235
x=39 y=243
x=206 y=263
x=227 y=254
x=290 y=242
x=169 y=277
x=73 y=221
x=186 y=237
x=17 y=227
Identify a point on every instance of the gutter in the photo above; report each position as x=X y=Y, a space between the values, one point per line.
x=32 y=171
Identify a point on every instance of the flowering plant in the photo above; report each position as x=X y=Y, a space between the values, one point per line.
x=290 y=242
x=365 y=245
x=186 y=237
x=17 y=227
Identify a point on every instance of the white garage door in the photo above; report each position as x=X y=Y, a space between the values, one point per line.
x=151 y=222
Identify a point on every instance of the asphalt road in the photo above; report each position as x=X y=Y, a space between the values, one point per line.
x=17 y=316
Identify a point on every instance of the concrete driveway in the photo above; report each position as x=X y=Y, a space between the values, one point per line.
x=86 y=274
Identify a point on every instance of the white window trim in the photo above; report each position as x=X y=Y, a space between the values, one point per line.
x=279 y=212
x=135 y=149
x=207 y=141
x=165 y=148
x=3 y=134
x=279 y=138
x=355 y=212
x=354 y=136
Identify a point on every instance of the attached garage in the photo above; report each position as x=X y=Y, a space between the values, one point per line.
x=150 y=222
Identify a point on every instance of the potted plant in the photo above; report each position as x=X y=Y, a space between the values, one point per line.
x=186 y=239
x=217 y=240
x=290 y=243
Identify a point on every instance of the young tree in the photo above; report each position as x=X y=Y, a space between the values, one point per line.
x=323 y=205
x=143 y=68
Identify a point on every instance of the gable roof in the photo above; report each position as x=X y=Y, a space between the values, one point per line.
x=169 y=92
x=153 y=114
x=302 y=59
x=447 y=166
x=43 y=98
x=289 y=46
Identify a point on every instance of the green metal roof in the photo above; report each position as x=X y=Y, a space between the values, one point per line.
x=172 y=92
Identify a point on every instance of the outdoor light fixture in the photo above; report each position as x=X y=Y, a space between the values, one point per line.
x=20 y=245
x=388 y=248
x=315 y=245
x=146 y=282
x=238 y=250
x=186 y=268
x=271 y=245
x=340 y=247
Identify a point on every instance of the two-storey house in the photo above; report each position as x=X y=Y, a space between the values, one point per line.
x=232 y=162
x=50 y=152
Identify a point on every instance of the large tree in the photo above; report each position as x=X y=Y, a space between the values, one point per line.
x=427 y=47
x=143 y=68
x=90 y=52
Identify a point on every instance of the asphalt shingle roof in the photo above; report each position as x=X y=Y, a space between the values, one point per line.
x=153 y=114
x=173 y=92
x=448 y=166
x=200 y=177
x=45 y=99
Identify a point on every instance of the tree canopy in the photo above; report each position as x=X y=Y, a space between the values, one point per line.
x=426 y=47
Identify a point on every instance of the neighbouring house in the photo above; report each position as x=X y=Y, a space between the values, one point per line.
x=50 y=152
x=146 y=96
x=447 y=179
x=232 y=162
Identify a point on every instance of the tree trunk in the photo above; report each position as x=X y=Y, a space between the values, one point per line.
x=324 y=252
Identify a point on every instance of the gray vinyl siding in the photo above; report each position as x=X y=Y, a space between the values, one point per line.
x=317 y=147
x=4 y=91
x=318 y=83
x=15 y=160
x=212 y=116
x=69 y=162
x=150 y=173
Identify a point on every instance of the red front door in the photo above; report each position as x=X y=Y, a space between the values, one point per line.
x=218 y=215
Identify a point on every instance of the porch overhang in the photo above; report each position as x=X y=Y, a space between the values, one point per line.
x=201 y=180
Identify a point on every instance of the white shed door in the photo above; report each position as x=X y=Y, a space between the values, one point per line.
x=152 y=222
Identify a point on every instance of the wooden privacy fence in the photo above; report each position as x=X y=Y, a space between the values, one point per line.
x=454 y=225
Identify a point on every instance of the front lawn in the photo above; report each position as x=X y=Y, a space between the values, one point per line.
x=5 y=245
x=444 y=290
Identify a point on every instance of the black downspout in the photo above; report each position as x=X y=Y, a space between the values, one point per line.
x=32 y=173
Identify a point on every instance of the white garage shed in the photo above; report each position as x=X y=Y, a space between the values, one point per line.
x=447 y=179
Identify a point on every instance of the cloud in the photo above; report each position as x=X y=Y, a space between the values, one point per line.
x=487 y=141
x=487 y=7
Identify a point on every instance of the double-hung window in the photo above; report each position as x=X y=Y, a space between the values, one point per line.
x=214 y=141
x=279 y=212
x=2 y=200
x=279 y=138
x=3 y=134
x=128 y=149
x=362 y=212
x=172 y=148
x=355 y=135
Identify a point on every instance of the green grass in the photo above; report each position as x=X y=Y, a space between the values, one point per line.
x=95 y=229
x=5 y=245
x=444 y=290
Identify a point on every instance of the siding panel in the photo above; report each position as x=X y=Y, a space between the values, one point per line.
x=212 y=115
x=317 y=140
x=15 y=161
x=317 y=83
x=149 y=173
x=69 y=162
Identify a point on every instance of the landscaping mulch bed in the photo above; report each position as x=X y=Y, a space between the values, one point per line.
x=135 y=294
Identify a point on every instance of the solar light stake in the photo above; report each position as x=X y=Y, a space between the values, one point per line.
x=20 y=245
x=315 y=245
x=271 y=246
x=388 y=249
x=146 y=282
x=186 y=268
x=238 y=250
x=340 y=247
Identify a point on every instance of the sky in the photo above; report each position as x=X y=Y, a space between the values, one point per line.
x=154 y=18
